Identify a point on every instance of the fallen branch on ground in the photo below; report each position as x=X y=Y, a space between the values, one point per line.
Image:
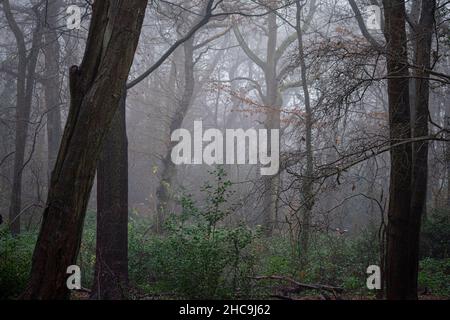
x=301 y=286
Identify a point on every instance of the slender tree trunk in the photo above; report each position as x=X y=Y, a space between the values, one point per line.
x=21 y=129
x=307 y=185
x=111 y=264
x=398 y=264
x=96 y=89
x=51 y=83
x=25 y=84
x=447 y=157
x=163 y=193
x=273 y=106
x=163 y=190
x=7 y=100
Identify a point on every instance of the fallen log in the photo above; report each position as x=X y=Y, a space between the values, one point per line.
x=301 y=286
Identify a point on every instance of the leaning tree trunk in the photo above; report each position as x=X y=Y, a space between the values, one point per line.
x=111 y=264
x=96 y=87
x=398 y=264
x=424 y=36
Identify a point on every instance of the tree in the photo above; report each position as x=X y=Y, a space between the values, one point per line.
x=447 y=153
x=111 y=266
x=409 y=168
x=272 y=98
x=424 y=35
x=307 y=186
x=398 y=262
x=26 y=69
x=52 y=83
x=111 y=262
x=191 y=84
x=96 y=87
x=408 y=120
x=163 y=191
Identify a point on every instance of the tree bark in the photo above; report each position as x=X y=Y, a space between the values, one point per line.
x=96 y=88
x=398 y=264
x=424 y=35
x=111 y=264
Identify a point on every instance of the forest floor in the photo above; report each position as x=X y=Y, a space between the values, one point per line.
x=84 y=295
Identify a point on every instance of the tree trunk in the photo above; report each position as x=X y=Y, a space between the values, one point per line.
x=26 y=68
x=21 y=129
x=7 y=100
x=272 y=106
x=398 y=264
x=163 y=190
x=163 y=193
x=447 y=151
x=111 y=264
x=96 y=88
x=307 y=184
x=424 y=36
x=51 y=83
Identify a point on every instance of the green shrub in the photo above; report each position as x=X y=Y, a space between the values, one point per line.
x=435 y=239
x=339 y=260
x=15 y=262
x=434 y=276
x=198 y=258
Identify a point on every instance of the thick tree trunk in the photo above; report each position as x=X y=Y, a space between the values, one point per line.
x=424 y=36
x=51 y=83
x=398 y=263
x=111 y=264
x=163 y=193
x=96 y=89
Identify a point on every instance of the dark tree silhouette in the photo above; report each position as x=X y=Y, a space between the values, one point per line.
x=96 y=87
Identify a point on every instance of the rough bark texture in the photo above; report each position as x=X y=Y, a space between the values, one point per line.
x=111 y=264
x=96 y=88
x=398 y=264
